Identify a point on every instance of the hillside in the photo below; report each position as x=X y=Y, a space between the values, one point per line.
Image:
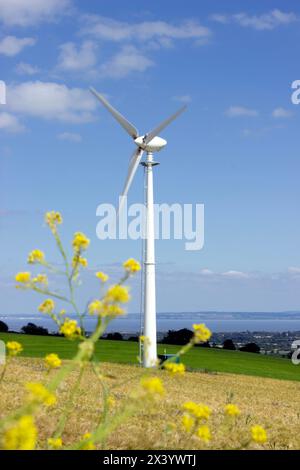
x=212 y=360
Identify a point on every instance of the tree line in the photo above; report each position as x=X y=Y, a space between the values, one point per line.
x=176 y=337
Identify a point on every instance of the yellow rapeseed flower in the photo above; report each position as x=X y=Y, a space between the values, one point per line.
x=80 y=242
x=36 y=256
x=53 y=219
x=23 y=278
x=38 y=393
x=89 y=444
x=188 y=422
x=232 y=410
x=70 y=329
x=204 y=433
x=47 y=306
x=201 y=333
x=52 y=361
x=132 y=266
x=95 y=307
x=199 y=411
x=111 y=402
x=118 y=293
x=79 y=260
x=153 y=385
x=112 y=311
x=175 y=368
x=14 y=348
x=102 y=276
x=55 y=443
x=41 y=279
x=259 y=434
x=21 y=436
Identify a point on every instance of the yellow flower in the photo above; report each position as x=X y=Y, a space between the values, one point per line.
x=204 y=433
x=55 y=443
x=102 y=276
x=39 y=394
x=52 y=361
x=188 y=422
x=88 y=445
x=47 y=306
x=95 y=307
x=41 y=279
x=111 y=402
x=36 y=256
x=78 y=260
x=53 y=219
x=112 y=311
x=21 y=436
x=259 y=434
x=132 y=266
x=232 y=410
x=14 y=348
x=175 y=368
x=198 y=411
x=80 y=242
x=201 y=333
x=118 y=293
x=23 y=278
x=70 y=329
x=153 y=385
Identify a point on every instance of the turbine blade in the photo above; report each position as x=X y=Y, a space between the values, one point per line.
x=148 y=137
x=133 y=166
x=129 y=128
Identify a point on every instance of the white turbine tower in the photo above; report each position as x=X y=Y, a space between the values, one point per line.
x=149 y=143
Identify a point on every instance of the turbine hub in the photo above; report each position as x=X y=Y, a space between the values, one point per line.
x=155 y=145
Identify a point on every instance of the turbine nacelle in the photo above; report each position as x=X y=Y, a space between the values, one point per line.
x=149 y=142
x=155 y=145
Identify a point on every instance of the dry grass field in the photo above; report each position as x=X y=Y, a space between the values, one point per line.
x=274 y=404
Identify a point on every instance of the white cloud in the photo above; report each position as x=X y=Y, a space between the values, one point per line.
x=72 y=58
x=49 y=100
x=235 y=275
x=126 y=61
x=282 y=113
x=161 y=31
x=236 y=111
x=10 y=123
x=206 y=272
x=11 y=45
x=26 y=69
x=266 y=21
x=31 y=12
x=70 y=137
x=294 y=270
x=183 y=98
x=219 y=18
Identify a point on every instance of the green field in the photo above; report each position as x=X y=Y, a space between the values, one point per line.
x=211 y=360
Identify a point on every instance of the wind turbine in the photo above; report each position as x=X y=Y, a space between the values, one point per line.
x=149 y=143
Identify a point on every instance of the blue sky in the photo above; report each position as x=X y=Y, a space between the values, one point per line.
x=235 y=150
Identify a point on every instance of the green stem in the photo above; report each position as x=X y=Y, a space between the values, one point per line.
x=68 y=407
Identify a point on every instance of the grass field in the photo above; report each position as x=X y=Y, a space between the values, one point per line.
x=211 y=360
x=274 y=404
